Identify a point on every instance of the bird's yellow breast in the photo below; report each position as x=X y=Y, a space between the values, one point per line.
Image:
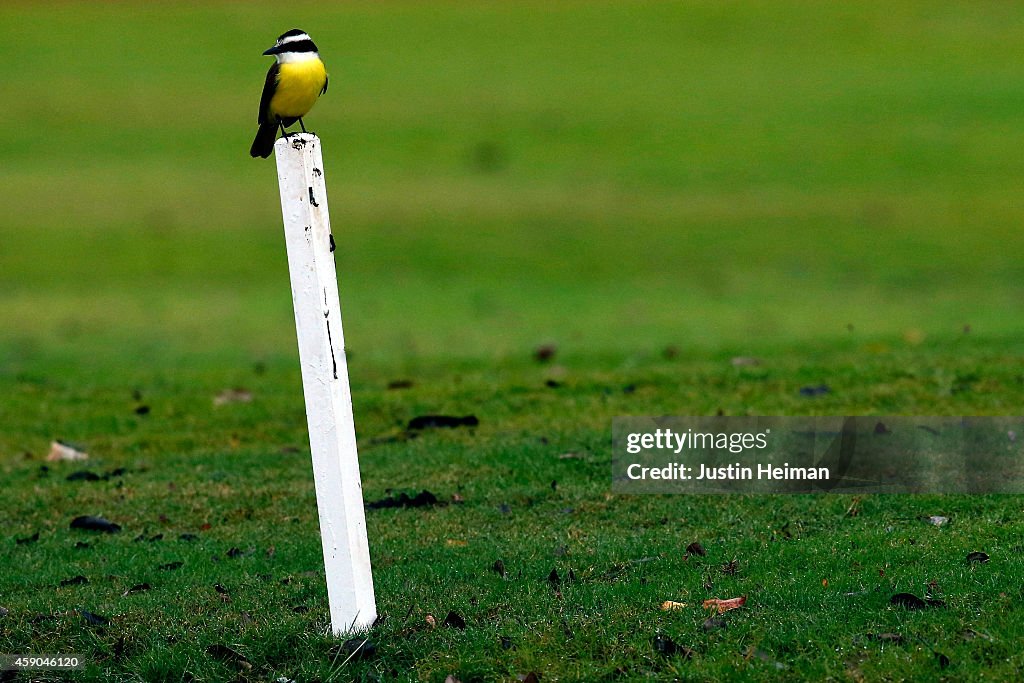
x=298 y=87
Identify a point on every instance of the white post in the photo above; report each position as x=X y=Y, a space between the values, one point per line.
x=332 y=436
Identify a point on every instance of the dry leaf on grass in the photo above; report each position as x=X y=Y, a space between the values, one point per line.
x=232 y=396
x=671 y=605
x=60 y=450
x=725 y=605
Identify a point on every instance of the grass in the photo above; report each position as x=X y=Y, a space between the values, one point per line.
x=833 y=190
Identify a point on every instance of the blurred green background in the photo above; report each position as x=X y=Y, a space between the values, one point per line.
x=607 y=176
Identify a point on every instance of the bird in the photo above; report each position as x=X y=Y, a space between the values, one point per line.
x=294 y=83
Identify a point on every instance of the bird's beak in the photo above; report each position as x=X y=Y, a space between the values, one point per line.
x=273 y=51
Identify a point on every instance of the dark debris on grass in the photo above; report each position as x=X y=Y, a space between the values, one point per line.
x=714 y=624
x=422 y=422
x=667 y=647
x=545 y=353
x=74 y=581
x=404 y=500
x=92 y=523
x=815 y=390
x=82 y=475
x=455 y=620
x=912 y=602
x=228 y=655
x=696 y=548
x=94 y=619
x=87 y=475
x=27 y=539
x=354 y=648
x=556 y=581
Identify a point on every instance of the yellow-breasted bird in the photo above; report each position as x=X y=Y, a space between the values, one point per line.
x=295 y=81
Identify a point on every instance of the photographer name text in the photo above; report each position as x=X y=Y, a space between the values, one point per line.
x=679 y=472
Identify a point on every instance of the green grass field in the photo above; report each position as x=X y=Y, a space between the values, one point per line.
x=653 y=188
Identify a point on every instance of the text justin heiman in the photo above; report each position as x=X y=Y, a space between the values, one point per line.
x=736 y=472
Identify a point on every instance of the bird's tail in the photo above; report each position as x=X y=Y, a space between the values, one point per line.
x=263 y=145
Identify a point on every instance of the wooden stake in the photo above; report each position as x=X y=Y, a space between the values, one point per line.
x=332 y=436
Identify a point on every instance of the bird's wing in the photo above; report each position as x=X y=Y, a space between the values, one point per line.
x=268 y=92
x=326 y=79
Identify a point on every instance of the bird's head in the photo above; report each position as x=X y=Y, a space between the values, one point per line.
x=293 y=46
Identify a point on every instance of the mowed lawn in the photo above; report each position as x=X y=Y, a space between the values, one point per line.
x=650 y=190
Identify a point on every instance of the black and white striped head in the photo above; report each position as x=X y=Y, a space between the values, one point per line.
x=293 y=46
